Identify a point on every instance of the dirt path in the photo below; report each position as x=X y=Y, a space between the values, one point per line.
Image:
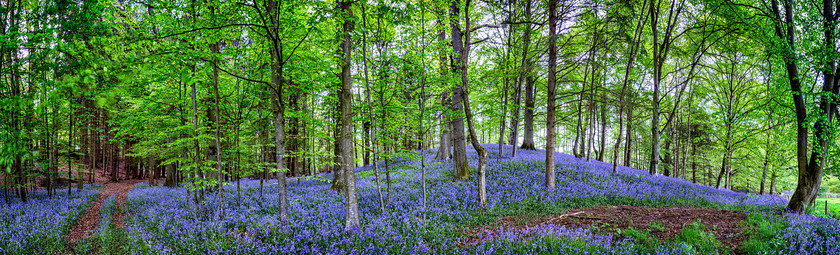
x=664 y=223
x=90 y=220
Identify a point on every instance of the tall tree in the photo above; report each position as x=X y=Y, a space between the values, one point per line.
x=810 y=168
x=552 y=83
x=460 y=168
x=351 y=202
x=661 y=47
x=370 y=132
x=634 y=48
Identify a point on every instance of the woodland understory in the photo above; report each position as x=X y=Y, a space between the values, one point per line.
x=418 y=126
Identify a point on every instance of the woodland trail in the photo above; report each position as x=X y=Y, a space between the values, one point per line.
x=90 y=220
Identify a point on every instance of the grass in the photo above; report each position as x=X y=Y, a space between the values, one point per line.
x=107 y=239
x=833 y=207
x=698 y=240
x=657 y=225
x=763 y=231
x=694 y=238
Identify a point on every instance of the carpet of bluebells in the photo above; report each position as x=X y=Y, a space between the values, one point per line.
x=166 y=222
x=806 y=234
x=40 y=225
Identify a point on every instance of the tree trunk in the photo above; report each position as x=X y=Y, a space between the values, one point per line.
x=723 y=166
x=70 y=148
x=338 y=172
x=528 y=128
x=445 y=148
x=171 y=176
x=114 y=158
x=628 y=146
x=369 y=131
x=603 y=140
x=514 y=120
x=694 y=163
x=528 y=132
x=506 y=87
x=552 y=80
x=351 y=202
x=151 y=169
x=810 y=170
x=218 y=154
x=367 y=137
x=460 y=167
x=482 y=153
x=279 y=107
x=94 y=151
x=623 y=97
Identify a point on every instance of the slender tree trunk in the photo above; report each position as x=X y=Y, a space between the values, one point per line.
x=369 y=131
x=724 y=165
x=591 y=118
x=528 y=132
x=70 y=148
x=603 y=140
x=171 y=176
x=623 y=97
x=508 y=47
x=367 y=137
x=514 y=120
x=767 y=151
x=657 y=79
x=94 y=141
x=552 y=80
x=115 y=174
x=338 y=161
x=422 y=102
x=482 y=153
x=526 y=75
x=694 y=163
x=445 y=148
x=199 y=195
x=628 y=146
x=221 y=175
x=351 y=203
x=151 y=169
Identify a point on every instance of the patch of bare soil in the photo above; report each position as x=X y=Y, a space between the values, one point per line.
x=90 y=220
x=663 y=222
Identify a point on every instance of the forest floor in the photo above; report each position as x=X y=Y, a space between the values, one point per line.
x=663 y=223
x=90 y=220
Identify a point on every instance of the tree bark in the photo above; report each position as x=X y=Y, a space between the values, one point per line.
x=508 y=47
x=214 y=48
x=552 y=80
x=369 y=131
x=351 y=203
x=603 y=140
x=482 y=153
x=660 y=53
x=171 y=176
x=445 y=149
x=460 y=167
x=279 y=108
x=810 y=170
x=528 y=128
x=70 y=148
x=634 y=48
